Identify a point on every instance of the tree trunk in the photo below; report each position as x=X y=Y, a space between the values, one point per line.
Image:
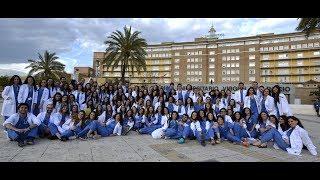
x=123 y=71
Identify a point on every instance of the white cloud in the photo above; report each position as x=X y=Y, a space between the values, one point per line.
x=16 y=67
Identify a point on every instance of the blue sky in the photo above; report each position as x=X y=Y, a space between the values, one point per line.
x=75 y=39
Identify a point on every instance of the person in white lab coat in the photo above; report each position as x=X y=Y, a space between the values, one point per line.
x=281 y=102
x=22 y=126
x=240 y=95
x=180 y=108
x=45 y=118
x=267 y=103
x=180 y=94
x=297 y=137
x=252 y=101
x=10 y=97
x=28 y=93
x=255 y=86
x=43 y=96
x=189 y=107
x=80 y=96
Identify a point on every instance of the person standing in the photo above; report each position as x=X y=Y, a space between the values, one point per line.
x=28 y=93
x=240 y=95
x=10 y=97
x=317 y=106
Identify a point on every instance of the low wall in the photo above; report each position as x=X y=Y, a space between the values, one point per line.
x=303 y=93
x=302 y=109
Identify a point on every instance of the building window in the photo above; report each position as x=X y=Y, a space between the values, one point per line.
x=252 y=71
x=224 y=51
x=211 y=73
x=265 y=64
x=177 y=60
x=252 y=78
x=176 y=79
x=283 y=56
x=212 y=66
x=211 y=59
x=283 y=71
x=237 y=50
x=228 y=58
x=316 y=44
x=252 y=64
x=177 y=54
x=155 y=68
x=211 y=80
x=176 y=66
x=166 y=68
x=223 y=65
x=224 y=72
x=228 y=64
x=300 y=79
x=276 y=48
x=293 y=46
x=224 y=58
x=196 y=66
x=300 y=71
x=252 y=49
x=233 y=65
x=211 y=52
x=316 y=53
x=265 y=57
x=200 y=73
x=270 y=48
x=237 y=64
x=304 y=45
x=283 y=64
x=188 y=72
x=200 y=52
x=299 y=63
x=286 y=47
x=192 y=72
x=237 y=57
x=252 y=56
x=300 y=55
x=176 y=73
x=310 y=45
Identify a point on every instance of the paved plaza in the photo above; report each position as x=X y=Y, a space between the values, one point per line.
x=142 y=148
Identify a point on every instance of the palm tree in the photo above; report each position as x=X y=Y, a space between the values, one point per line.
x=46 y=66
x=125 y=50
x=308 y=25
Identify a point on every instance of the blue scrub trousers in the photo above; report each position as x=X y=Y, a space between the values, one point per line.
x=276 y=136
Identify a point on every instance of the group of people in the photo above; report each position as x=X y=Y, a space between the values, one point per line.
x=69 y=110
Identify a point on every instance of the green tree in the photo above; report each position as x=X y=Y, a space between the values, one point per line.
x=308 y=25
x=315 y=93
x=125 y=50
x=4 y=81
x=46 y=66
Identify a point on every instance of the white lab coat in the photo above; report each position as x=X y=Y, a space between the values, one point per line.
x=228 y=119
x=102 y=117
x=270 y=106
x=237 y=95
x=195 y=126
x=183 y=110
x=82 y=97
x=176 y=97
x=189 y=111
x=42 y=115
x=9 y=103
x=57 y=118
x=283 y=106
x=53 y=91
x=247 y=101
x=44 y=98
x=174 y=106
x=298 y=138
x=23 y=95
x=13 y=119
x=117 y=129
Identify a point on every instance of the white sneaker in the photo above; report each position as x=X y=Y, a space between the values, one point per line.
x=275 y=146
x=6 y=134
x=313 y=152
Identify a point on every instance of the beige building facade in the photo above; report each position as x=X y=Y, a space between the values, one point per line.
x=266 y=58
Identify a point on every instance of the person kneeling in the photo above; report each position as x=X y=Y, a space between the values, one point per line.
x=22 y=126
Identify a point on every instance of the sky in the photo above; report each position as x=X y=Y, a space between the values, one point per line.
x=75 y=39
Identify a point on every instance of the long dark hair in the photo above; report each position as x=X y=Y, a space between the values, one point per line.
x=214 y=118
x=33 y=84
x=254 y=91
x=191 y=104
x=234 y=116
x=277 y=120
x=260 y=118
x=285 y=126
x=54 y=99
x=12 y=79
x=296 y=119
x=174 y=112
x=276 y=95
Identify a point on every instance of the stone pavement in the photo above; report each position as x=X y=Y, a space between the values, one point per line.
x=143 y=148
